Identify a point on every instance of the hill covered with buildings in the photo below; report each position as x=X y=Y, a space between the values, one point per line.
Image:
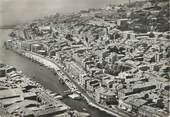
x=119 y=55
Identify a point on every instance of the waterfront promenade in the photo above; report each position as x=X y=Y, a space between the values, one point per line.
x=54 y=65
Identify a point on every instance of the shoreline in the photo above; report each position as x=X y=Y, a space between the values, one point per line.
x=34 y=57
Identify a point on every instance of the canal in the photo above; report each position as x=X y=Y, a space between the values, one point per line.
x=42 y=75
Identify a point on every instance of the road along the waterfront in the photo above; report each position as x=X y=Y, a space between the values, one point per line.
x=53 y=65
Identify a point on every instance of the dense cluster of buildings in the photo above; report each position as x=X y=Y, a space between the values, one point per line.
x=22 y=97
x=120 y=62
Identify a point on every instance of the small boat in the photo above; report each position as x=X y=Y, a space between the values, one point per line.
x=58 y=97
x=84 y=109
x=74 y=96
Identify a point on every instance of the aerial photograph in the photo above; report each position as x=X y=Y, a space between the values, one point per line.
x=84 y=58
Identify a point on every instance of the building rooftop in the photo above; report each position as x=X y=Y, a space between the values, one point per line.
x=22 y=104
x=8 y=93
x=136 y=102
x=154 y=111
x=104 y=91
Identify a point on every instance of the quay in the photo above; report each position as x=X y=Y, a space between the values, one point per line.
x=47 y=62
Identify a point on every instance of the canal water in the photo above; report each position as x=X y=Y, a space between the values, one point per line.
x=42 y=75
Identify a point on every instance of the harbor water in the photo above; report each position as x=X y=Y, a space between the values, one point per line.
x=43 y=75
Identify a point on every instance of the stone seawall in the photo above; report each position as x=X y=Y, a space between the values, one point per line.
x=48 y=63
